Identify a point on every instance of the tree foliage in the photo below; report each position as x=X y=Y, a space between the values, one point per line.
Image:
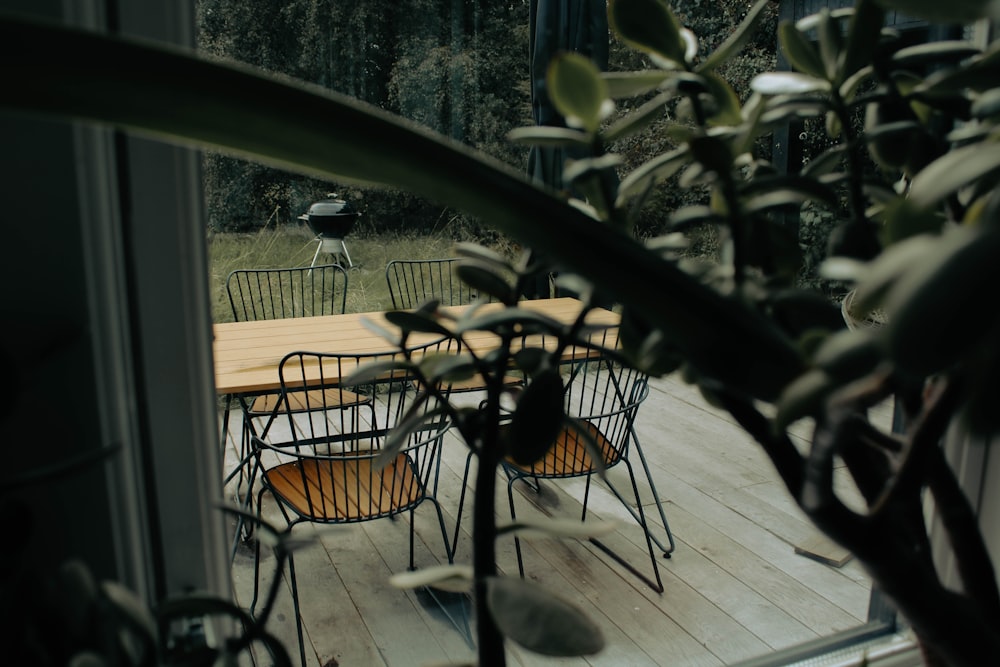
x=711 y=21
x=458 y=68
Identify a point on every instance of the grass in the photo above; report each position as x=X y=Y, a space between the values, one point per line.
x=295 y=246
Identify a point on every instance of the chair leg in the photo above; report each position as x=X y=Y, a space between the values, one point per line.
x=295 y=606
x=461 y=502
x=248 y=460
x=641 y=520
x=291 y=573
x=225 y=427
x=586 y=498
x=656 y=497
x=412 y=566
x=241 y=524
x=645 y=526
x=243 y=530
x=513 y=516
x=245 y=446
x=439 y=597
x=240 y=473
x=667 y=551
x=256 y=561
x=448 y=552
x=244 y=443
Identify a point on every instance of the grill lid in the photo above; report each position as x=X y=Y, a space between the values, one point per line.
x=331 y=207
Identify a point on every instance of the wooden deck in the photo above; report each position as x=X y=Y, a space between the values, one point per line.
x=735 y=587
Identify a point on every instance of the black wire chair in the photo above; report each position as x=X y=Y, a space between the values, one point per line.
x=274 y=294
x=601 y=401
x=375 y=459
x=413 y=282
x=271 y=294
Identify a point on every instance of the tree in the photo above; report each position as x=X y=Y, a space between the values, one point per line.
x=439 y=64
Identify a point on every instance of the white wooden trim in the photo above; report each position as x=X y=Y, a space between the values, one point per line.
x=169 y=294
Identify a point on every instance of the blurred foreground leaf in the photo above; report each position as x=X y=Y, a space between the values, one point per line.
x=540 y=621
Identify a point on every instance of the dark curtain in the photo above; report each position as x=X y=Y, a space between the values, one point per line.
x=555 y=26
x=560 y=25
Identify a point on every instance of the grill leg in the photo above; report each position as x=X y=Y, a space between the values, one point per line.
x=335 y=247
x=343 y=247
x=319 y=246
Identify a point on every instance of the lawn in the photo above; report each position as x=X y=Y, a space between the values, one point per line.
x=295 y=246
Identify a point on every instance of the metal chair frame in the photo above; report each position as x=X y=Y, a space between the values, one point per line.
x=602 y=397
x=273 y=294
x=269 y=294
x=412 y=282
x=331 y=465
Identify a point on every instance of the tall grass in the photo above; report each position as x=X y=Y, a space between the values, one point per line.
x=295 y=246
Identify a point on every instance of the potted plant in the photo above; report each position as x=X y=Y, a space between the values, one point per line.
x=917 y=240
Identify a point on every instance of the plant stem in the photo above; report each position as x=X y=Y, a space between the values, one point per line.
x=491 y=649
x=484 y=528
x=737 y=227
x=855 y=194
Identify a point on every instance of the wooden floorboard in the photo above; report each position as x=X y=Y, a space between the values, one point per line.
x=734 y=586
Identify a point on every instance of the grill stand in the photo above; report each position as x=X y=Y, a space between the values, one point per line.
x=335 y=247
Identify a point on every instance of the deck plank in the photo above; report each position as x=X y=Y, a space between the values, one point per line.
x=334 y=623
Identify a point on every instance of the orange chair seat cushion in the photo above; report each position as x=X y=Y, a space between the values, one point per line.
x=346 y=489
x=568 y=456
x=303 y=401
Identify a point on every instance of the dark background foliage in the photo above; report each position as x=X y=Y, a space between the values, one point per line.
x=459 y=67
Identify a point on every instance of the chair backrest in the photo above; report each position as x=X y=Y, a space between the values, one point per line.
x=274 y=294
x=604 y=392
x=363 y=446
x=413 y=282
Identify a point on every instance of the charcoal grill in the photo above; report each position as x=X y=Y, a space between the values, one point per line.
x=331 y=220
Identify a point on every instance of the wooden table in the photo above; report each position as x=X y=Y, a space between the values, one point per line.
x=247 y=354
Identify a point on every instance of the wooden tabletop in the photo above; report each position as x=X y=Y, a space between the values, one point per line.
x=247 y=354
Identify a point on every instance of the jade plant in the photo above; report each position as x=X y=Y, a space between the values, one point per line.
x=910 y=177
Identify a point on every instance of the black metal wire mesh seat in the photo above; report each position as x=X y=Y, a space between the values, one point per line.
x=348 y=487
x=570 y=455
